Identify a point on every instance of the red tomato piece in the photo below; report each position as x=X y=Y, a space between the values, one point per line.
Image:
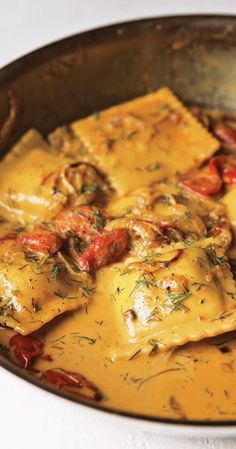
x=106 y=249
x=224 y=167
x=216 y=164
x=26 y=349
x=66 y=380
x=41 y=241
x=229 y=175
x=205 y=183
x=85 y=222
x=226 y=134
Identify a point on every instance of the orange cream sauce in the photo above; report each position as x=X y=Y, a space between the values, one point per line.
x=195 y=381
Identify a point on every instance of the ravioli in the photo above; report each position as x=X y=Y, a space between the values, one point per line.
x=27 y=178
x=34 y=290
x=125 y=218
x=185 y=296
x=136 y=143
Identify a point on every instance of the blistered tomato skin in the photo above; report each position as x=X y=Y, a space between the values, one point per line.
x=85 y=222
x=26 y=349
x=106 y=249
x=225 y=168
x=41 y=241
x=206 y=184
x=67 y=380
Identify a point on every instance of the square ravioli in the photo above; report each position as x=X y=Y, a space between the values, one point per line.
x=145 y=140
x=34 y=289
x=27 y=177
x=187 y=296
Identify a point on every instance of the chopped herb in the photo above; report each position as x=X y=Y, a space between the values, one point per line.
x=87 y=290
x=23 y=266
x=160 y=373
x=99 y=220
x=119 y=290
x=199 y=285
x=150 y=255
x=7 y=308
x=143 y=281
x=35 y=305
x=176 y=300
x=152 y=315
x=36 y=259
x=135 y=354
x=109 y=359
x=62 y=295
x=223 y=316
x=155 y=345
x=56 y=270
x=231 y=294
x=59 y=339
x=79 y=338
x=216 y=260
x=188 y=243
x=99 y=322
x=123 y=273
x=90 y=188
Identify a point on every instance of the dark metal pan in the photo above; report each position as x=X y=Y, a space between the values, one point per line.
x=194 y=55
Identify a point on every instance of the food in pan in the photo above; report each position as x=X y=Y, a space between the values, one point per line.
x=117 y=258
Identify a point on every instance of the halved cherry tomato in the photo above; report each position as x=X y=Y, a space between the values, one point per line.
x=26 y=349
x=85 y=222
x=41 y=241
x=107 y=248
x=224 y=167
x=203 y=182
x=60 y=378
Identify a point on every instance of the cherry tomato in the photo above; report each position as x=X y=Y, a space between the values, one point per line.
x=205 y=183
x=41 y=241
x=62 y=379
x=224 y=167
x=85 y=222
x=108 y=248
x=26 y=349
